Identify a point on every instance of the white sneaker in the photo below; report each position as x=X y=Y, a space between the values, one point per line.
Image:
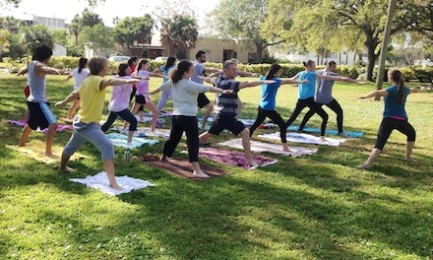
x=343 y=134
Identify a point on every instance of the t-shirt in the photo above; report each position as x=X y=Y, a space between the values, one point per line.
x=91 y=99
x=142 y=85
x=226 y=104
x=120 y=96
x=166 y=72
x=36 y=84
x=392 y=107
x=324 y=89
x=306 y=90
x=269 y=92
x=199 y=70
x=184 y=96
x=79 y=77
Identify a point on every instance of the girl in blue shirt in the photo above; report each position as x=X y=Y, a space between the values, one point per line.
x=267 y=103
x=394 y=116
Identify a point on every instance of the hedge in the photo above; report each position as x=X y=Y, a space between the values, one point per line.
x=289 y=70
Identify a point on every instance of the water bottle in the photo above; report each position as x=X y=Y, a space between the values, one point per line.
x=127 y=154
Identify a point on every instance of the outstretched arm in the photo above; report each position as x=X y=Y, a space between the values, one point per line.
x=44 y=70
x=246 y=74
x=69 y=77
x=291 y=81
x=339 y=78
x=116 y=82
x=156 y=75
x=209 y=79
x=22 y=72
x=74 y=95
x=376 y=93
x=248 y=84
x=212 y=70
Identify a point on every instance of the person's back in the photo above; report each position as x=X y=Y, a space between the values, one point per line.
x=143 y=85
x=394 y=108
x=306 y=90
x=120 y=96
x=324 y=89
x=269 y=92
x=184 y=96
x=36 y=84
x=79 y=77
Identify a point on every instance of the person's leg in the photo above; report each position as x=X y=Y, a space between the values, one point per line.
x=261 y=116
x=239 y=110
x=48 y=119
x=70 y=148
x=246 y=143
x=206 y=115
x=174 y=139
x=301 y=104
x=72 y=109
x=189 y=123
x=322 y=113
x=155 y=114
x=335 y=106
x=50 y=139
x=165 y=96
x=110 y=120
x=407 y=129
x=306 y=118
x=276 y=118
x=26 y=132
x=134 y=110
x=32 y=122
x=204 y=137
x=132 y=120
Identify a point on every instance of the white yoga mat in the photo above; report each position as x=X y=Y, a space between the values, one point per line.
x=121 y=140
x=100 y=182
x=304 y=138
x=261 y=147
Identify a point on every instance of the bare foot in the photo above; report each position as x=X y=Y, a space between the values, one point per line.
x=410 y=160
x=67 y=170
x=51 y=155
x=363 y=166
x=200 y=174
x=286 y=148
x=163 y=158
x=322 y=139
x=116 y=186
x=252 y=166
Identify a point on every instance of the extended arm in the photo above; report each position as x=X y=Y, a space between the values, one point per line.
x=44 y=70
x=22 y=72
x=248 y=84
x=69 y=77
x=156 y=75
x=246 y=74
x=209 y=79
x=116 y=82
x=376 y=93
x=74 y=95
x=292 y=81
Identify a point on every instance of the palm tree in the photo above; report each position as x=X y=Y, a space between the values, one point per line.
x=178 y=34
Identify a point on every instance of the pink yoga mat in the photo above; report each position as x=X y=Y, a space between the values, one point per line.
x=60 y=127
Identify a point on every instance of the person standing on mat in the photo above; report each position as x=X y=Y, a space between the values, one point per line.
x=40 y=114
x=306 y=93
x=226 y=109
x=394 y=116
x=184 y=116
x=86 y=125
x=166 y=71
x=79 y=74
x=324 y=97
x=267 y=103
x=201 y=70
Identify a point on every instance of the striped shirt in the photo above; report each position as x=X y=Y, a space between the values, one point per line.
x=226 y=104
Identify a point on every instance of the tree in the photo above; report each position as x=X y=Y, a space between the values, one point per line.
x=132 y=29
x=99 y=37
x=75 y=27
x=4 y=41
x=242 y=21
x=59 y=36
x=178 y=34
x=34 y=36
x=17 y=2
x=89 y=18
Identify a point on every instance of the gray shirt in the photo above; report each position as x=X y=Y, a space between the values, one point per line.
x=199 y=70
x=324 y=89
x=36 y=84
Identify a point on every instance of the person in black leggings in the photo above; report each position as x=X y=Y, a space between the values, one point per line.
x=394 y=117
x=267 y=103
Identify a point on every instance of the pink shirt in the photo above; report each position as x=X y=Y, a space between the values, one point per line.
x=120 y=96
x=143 y=85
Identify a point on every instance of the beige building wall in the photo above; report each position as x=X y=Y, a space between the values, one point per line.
x=218 y=50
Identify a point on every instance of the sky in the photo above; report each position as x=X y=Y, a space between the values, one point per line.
x=107 y=10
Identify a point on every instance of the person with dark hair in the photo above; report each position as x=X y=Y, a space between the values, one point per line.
x=324 y=97
x=200 y=70
x=394 y=116
x=306 y=93
x=267 y=103
x=40 y=114
x=86 y=124
x=141 y=96
x=226 y=109
x=165 y=69
x=184 y=117
x=132 y=65
x=79 y=74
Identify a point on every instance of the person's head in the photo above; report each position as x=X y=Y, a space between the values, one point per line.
x=184 y=70
x=98 y=66
x=82 y=63
x=235 y=60
x=121 y=70
x=170 y=62
x=201 y=56
x=229 y=69
x=395 y=77
x=310 y=65
x=43 y=54
x=274 y=72
x=132 y=61
x=331 y=66
x=142 y=65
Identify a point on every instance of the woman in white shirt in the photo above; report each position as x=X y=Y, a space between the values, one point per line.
x=79 y=74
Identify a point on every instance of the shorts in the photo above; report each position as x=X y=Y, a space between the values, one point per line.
x=226 y=122
x=202 y=100
x=140 y=99
x=40 y=115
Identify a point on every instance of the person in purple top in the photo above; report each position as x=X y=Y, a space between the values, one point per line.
x=394 y=116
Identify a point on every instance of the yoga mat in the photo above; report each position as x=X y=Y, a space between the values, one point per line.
x=303 y=138
x=145 y=132
x=100 y=182
x=36 y=149
x=245 y=121
x=161 y=114
x=261 y=147
x=120 y=140
x=66 y=120
x=352 y=134
x=182 y=167
x=233 y=158
x=60 y=127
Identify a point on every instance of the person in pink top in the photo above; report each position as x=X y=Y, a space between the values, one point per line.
x=141 y=95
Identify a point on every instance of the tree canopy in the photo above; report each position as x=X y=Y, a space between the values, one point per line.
x=131 y=29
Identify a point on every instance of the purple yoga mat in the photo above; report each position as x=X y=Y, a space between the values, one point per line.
x=232 y=158
x=60 y=127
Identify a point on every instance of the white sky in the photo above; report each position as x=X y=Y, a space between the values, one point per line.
x=107 y=11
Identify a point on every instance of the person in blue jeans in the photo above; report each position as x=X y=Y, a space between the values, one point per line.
x=394 y=116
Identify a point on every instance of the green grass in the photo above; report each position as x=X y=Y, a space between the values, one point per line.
x=319 y=206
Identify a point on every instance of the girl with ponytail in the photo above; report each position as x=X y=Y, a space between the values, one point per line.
x=267 y=104
x=394 y=116
x=166 y=71
x=79 y=74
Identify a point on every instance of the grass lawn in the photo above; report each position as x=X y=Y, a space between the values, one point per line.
x=317 y=207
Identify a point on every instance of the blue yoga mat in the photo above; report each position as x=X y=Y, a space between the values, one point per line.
x=352 y=134
x=121 y=140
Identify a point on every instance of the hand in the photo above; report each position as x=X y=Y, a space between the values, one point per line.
x=60 y=104
x=57 y=71
x=227 y=91
x=362 y=97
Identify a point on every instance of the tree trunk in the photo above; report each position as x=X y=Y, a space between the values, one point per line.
x=371 y=44
x=259 y=52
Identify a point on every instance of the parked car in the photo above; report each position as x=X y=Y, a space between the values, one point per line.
x=119 y=58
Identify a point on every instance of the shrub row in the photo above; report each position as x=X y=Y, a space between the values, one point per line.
x=289 y=70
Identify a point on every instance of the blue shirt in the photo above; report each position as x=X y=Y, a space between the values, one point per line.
x=166 y=72
x=392 y=106
x=199 y=70
x=269 y=92
x=306 y=90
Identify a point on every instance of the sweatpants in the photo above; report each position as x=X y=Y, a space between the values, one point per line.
x=275 y=117
x=309 y=102
x=178 y=126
